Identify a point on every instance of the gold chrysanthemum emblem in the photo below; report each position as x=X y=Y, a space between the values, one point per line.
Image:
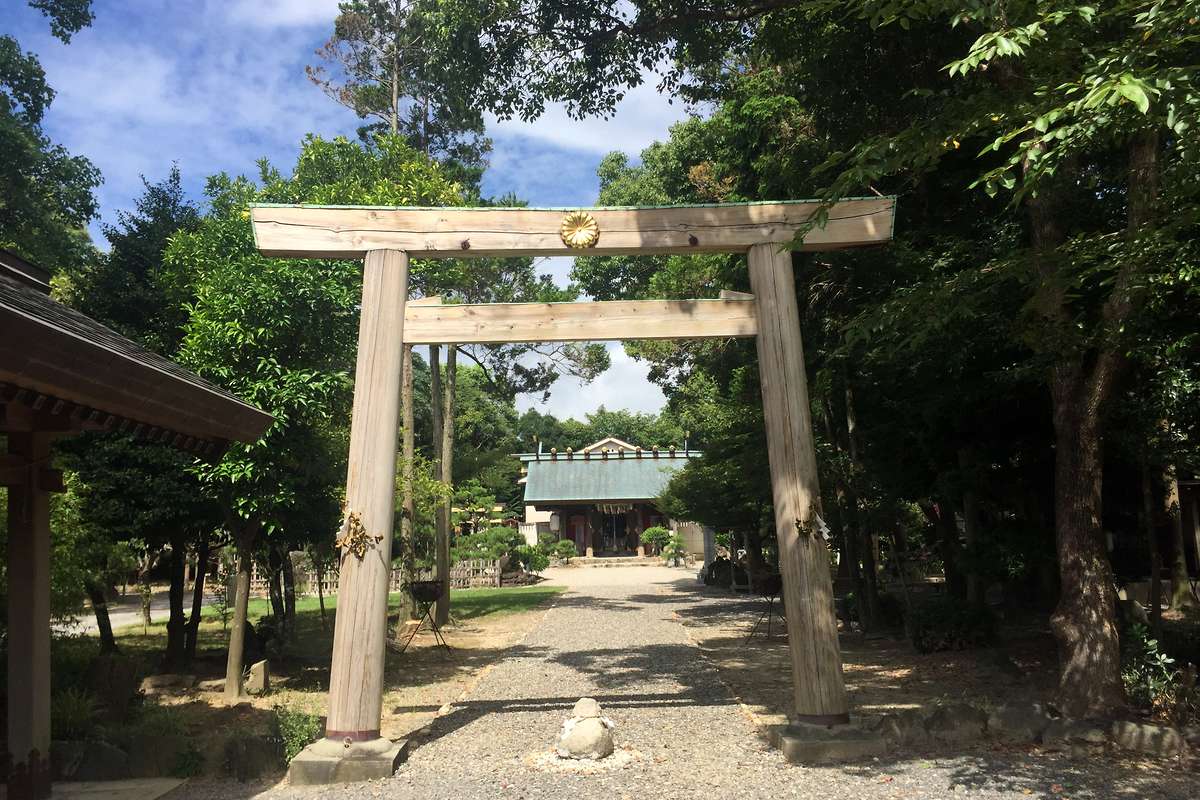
x=579 y=230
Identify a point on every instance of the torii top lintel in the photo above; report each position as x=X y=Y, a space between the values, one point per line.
x=309 y=231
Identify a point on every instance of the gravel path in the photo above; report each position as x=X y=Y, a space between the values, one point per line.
x=613 y=636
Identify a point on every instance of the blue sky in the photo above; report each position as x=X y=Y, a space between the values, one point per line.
x=214 y=85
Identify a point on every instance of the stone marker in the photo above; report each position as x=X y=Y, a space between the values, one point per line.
x=1155 y=740
x=158 y=684
x=586 y=734
x=956 y=723
x=259 y=681
x=1022 y=722
x=905 y=728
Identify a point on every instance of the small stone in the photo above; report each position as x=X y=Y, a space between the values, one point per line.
x=1062 y=733
x=585 y=708
x=903 y=729
x=958 y=723
x=88 y=761
x=248 y=757
x=1023 y=722
x=1155 y=740
x=157 y=684
x=259 y=681
x=114 y=683
x=585 y=739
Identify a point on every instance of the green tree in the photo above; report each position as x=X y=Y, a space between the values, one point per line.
x=46 y=194
x=378 y=49
x=1081 y=118
x=281 y=333
x=131 y=490
x=128 y=288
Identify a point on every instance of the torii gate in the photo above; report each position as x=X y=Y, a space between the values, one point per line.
x=386 y=238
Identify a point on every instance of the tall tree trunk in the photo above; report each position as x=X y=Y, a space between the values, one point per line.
x=970 y=501
x=408 y=606
x=945 y=527
x=173 y=658
x=1081 y=382
x=95 y=593
x=1151 y=532
x=844 y=533
x=149 y=559
x=1181 y=587
x=289 y=594
x=869 y=607
x=1084 y=622
x=275 y=588
x=319 y=568
x=447 y=465
x=193 y=625
x=247 y=533
x=440 y=522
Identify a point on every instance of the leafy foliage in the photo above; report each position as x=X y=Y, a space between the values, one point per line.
x=532 y=557
x=280 y=333
x=674 y=549
x=947 y=624
x=47 y=194
x=656 y=537
x=297 y=729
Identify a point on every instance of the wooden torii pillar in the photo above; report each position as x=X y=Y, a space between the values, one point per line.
x=386 y=237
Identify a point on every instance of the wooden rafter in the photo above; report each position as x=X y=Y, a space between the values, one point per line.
x=498 y=323
x=349 y=232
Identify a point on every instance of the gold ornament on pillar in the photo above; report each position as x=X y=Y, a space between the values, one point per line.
x=353 y=536
x=579 y=230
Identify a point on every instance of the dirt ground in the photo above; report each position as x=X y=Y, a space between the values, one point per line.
x=419 y=681
x=883 y=674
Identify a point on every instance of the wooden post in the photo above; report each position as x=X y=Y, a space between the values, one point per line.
x=408 y=608
x=820 y=693
x=356 y=675
x=445 y=524
x=29 y=623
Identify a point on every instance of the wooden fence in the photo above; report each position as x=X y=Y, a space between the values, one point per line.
x=470 y=574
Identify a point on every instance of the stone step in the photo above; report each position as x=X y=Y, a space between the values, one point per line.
x=617 y=561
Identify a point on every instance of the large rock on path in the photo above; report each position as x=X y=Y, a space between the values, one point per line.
x=585 y=739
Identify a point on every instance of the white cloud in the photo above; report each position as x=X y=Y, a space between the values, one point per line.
x=218 y=87
x=624 y=385
x=280 y=13
x=642 y=117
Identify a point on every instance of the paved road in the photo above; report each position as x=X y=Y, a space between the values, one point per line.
x=613 y=636
x=128 y=611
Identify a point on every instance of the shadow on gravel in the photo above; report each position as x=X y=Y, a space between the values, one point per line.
x=1013 y=772
x=593 y=603
x=466 y=712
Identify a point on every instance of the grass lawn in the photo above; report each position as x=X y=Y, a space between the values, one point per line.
x=314 y=639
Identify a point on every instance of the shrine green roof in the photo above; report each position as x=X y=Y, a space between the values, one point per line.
x=595 y=478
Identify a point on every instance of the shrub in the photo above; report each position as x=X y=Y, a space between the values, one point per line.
x=189 y=762
x=564 y=550
x=949 y=624
x=891 y=610
x=674 y=549
x=1151 y=680
x=73 y=714
x=532 y=558
x=656 y=537
x=297 y=730
x=491 y=544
